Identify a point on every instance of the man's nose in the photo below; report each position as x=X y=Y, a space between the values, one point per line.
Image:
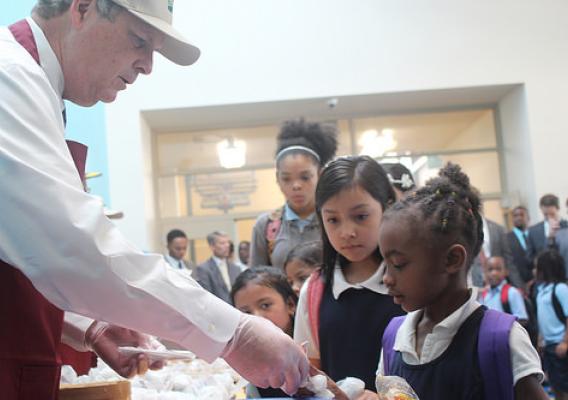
x=145 y=63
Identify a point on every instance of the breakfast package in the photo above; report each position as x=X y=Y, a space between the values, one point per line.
x=394 y=388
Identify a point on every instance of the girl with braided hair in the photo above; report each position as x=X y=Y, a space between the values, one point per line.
x=448 y=346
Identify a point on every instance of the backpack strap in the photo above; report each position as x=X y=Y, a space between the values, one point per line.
x=494 y=355
x=389 y=337
x=557 y=306
x=505 y=298
x=272 y=228
x=315 y=289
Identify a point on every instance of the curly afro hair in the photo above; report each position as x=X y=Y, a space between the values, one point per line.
x=321 y=138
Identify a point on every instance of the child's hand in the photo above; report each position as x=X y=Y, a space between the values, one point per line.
x=368 y=395
x=561 y=349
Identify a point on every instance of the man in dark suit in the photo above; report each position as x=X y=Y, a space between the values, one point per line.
x=218 y=274
x=542 y=234
x=495 y=244
x=518 y=242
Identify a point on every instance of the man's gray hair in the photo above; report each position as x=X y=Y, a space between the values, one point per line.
x=53 y=8
x=212 y=237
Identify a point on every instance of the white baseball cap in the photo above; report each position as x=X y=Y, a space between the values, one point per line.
x=158 y=13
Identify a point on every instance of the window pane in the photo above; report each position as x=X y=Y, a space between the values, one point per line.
x=493 y=211
x=427 y=132
x=189 y=151
x=482 y=168
x=172 y=196
x=235 y=192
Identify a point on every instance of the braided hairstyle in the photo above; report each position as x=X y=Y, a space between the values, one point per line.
x=321 y=138
x=449 y=207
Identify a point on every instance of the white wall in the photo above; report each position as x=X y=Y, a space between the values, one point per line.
x=262 y=50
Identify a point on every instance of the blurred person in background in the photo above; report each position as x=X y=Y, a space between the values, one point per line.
x=542 y=235
x=177 y=244
x=218 y=273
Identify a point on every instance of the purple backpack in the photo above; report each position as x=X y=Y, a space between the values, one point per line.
x=492 y=350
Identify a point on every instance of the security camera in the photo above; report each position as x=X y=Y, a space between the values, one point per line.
x=332 y=103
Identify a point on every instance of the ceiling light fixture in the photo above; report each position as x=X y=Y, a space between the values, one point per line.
x=374 y=144
x=232 y=153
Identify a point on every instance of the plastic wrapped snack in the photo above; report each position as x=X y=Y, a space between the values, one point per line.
x=394 y=388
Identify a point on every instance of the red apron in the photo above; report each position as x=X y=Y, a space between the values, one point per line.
x=30 y=326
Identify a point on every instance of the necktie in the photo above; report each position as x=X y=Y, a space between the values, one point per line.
x=223 y=267
x=525 y=240
x=180 y=265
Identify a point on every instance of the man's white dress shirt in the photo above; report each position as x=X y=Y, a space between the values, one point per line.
x=57 y=234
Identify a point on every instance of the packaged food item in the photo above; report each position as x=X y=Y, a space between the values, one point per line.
x=394 y=388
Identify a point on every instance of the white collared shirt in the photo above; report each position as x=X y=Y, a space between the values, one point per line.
x=302 y=329
x=79 y=260
x=524 y=358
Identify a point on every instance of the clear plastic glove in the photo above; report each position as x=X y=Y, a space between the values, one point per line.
x=105 y=339
x=312 y=387
x=266 y=356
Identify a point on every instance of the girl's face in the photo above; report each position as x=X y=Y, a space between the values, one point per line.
x=297 y=177
x=267 y=303
x=415 y=274
x=298 y=272
x=351 y=220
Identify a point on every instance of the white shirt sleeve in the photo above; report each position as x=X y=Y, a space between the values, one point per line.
x=524 y=357
x=302 y=330
x=74 y=329
x=58 y=236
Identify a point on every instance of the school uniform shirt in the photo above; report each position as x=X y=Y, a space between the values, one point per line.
x=302 y=330
x=493 y=300
x=78 y=259
x=293 y=231
x=524 y=358
x=548 y=324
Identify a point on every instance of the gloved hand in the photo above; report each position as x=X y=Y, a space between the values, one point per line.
x=105 y=339
x=266 y=356
x=338 y=394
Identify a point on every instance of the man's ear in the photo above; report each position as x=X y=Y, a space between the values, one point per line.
x=80 y=9
x=456 y=257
